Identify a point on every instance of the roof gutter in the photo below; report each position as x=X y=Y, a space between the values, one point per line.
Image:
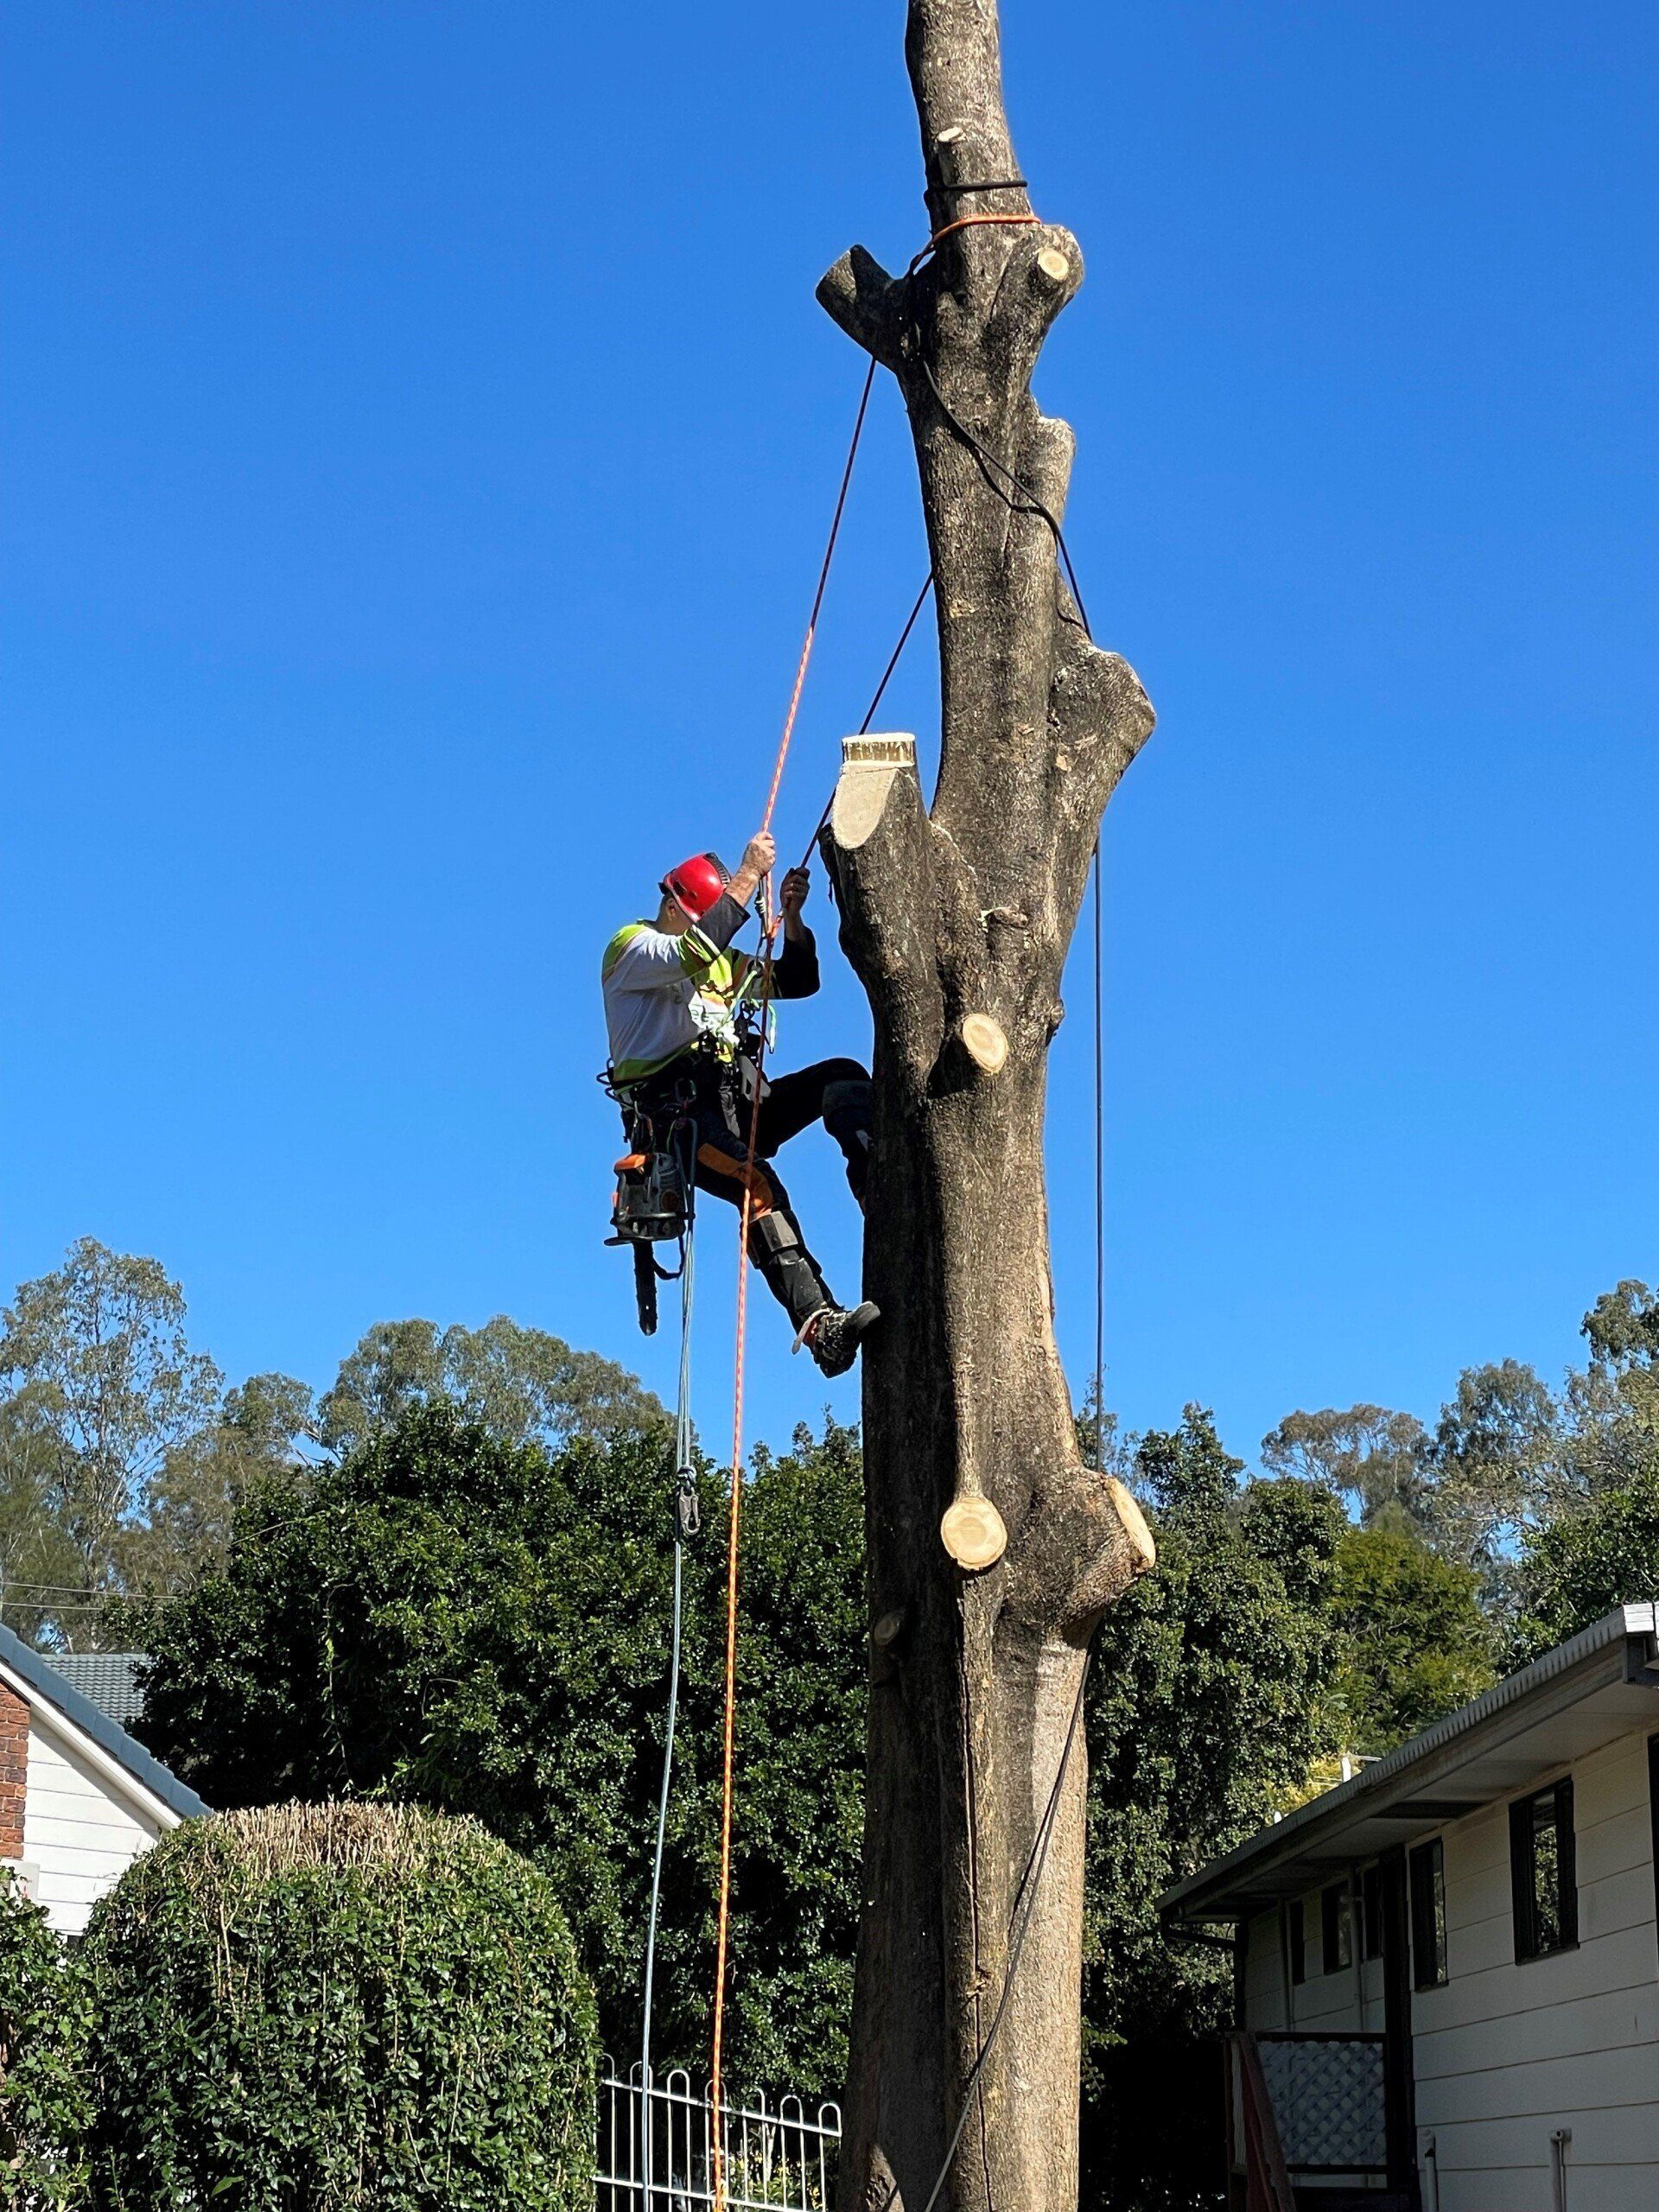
x=1546 y=1686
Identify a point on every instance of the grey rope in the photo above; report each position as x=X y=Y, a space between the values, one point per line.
x=684 y=1523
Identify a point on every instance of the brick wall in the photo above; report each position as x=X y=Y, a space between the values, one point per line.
x=14 y=1770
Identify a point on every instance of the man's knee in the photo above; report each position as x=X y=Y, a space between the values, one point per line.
x=849 y=1100
x=837 y=1071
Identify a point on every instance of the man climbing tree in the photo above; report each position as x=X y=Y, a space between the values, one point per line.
x=957 y=918
x=678 y=1003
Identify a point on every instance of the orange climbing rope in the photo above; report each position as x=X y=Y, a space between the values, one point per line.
x=769 y=925
x=966 y=222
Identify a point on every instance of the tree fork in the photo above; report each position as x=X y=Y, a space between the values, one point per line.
x=958 y=919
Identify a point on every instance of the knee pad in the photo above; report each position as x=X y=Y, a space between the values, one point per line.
x=771 y=1235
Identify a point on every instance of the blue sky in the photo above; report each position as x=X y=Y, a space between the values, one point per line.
x=421 y=434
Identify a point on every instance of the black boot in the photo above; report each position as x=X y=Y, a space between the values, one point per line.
x=835 y=1336
x=829 y=1332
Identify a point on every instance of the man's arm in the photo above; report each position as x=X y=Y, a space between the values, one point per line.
x=795 y=971
x=759 y=858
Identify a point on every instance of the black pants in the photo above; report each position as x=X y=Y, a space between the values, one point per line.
x=835 y=1092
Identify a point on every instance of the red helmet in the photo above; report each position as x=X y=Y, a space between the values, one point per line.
x=695 y=884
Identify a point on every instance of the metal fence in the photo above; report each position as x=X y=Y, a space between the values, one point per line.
x=656 y=2148
x=1330 y=2100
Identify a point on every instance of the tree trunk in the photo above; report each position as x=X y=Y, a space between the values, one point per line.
x=957 y=920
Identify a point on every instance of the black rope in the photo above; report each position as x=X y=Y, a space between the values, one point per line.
x=869 y=712
x=1019 y=1925
x=898 y=653
x=989 y=184
x=978 y=447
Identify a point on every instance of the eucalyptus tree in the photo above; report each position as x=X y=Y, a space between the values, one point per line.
x=956 y=915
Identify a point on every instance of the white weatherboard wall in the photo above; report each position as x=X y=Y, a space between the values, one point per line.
x=82 y=1825
x=1505 y=2053
x=1347 y=1999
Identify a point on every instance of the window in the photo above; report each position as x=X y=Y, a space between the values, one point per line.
x=1427 y=1875
x=1370 y=1913
x=1296 y=1940
x=1336 y=1928
x=1543 y=1872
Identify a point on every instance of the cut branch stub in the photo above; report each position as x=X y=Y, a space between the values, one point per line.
x=868 y=765
x=988 y=1047
x=973 y=1532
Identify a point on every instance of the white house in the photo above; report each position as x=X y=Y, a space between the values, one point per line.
x=79 y=1798
x=1448 y=1969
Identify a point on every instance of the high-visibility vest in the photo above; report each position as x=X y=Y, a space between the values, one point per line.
x=663 y=994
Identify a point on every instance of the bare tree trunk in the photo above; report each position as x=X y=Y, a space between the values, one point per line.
x=957 y=920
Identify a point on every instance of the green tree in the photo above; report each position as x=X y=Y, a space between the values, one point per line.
x=100 y=1346
x=1612 y=1403
x=1207 y=1709
x=454 y=1618
x=184 y=1530
x=1376 y=1461
x=345 y=2008
x=1498 y=1455
x=46 y=2013
x=1414 y=1642
x=520 y=1384
x=43 y=1567
x=1601 y=1552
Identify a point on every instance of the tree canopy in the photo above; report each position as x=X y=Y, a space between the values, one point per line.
x=123 y=1455
x=481 y=1626
x=448 y=1583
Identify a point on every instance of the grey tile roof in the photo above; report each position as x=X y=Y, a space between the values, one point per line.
x=42 y=1680
x=106 y=1677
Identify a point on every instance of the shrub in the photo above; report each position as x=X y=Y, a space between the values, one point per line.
x=45 y=2018
x=313 y=2007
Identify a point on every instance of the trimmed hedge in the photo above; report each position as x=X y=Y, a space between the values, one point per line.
x=46 y=2013
x=313 y=2007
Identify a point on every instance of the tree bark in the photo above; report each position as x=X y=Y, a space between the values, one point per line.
x=957 y=918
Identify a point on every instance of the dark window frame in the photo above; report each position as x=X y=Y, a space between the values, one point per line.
x=1524 y=1827
x=1426 y=1904
x=1296 y=1940
x=1336 y=1928
x=1372 y=1936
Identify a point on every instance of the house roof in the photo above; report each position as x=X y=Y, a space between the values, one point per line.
x=109 y=1678
x=1576 y=1698
x=35 y=1679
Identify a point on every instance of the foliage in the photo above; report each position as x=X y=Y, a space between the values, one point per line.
x=1496 y=1463
x=471 y=1624
x=1603 y=1553
x=520 y=1384
x=1372 y=1458
x=45 y=2027
x=124 y=1459
x=101 y=1343
x=1204 y=1712
x=40 y=1556
x=332 y=2006
x=1414 y=1640
x=191 y=1505
x=121 y=1456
